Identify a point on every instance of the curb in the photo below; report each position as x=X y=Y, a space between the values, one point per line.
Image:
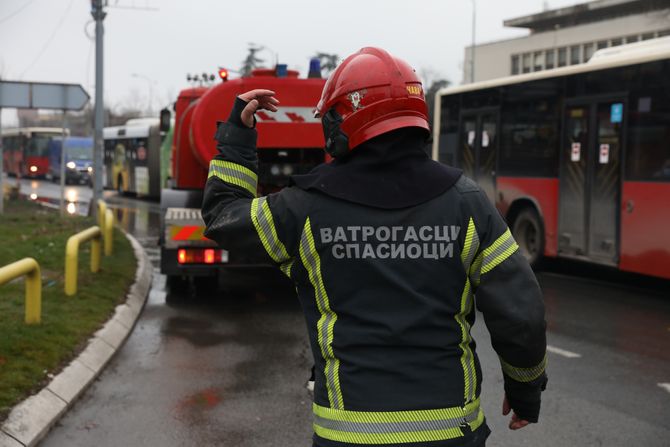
x=31 y=419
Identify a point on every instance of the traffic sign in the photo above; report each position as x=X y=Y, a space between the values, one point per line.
x=42 y=95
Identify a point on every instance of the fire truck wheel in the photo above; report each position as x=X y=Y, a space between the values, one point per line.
x=528 y=232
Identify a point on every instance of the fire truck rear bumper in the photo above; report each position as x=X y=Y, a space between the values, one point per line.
x=170 y=265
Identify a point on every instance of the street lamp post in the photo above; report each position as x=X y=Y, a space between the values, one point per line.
x=472 y=47
x=98 y=13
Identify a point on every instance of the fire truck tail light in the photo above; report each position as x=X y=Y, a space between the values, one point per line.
x=201 y=256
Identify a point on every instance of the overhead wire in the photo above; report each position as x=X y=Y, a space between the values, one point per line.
x=12 y=14
x=50 y=39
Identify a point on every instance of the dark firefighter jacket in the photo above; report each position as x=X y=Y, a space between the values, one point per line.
x=388 y=297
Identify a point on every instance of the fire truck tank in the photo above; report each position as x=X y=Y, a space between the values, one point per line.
x=199 y=110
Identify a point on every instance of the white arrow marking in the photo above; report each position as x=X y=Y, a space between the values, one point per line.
x=665 y=386
x=563 y=352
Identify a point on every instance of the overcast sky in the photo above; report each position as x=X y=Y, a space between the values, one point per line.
x=46 y=40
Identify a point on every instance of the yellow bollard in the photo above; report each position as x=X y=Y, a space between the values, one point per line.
x=30 y=268
x=102 y=208
x=109 y=232
x=72 y=256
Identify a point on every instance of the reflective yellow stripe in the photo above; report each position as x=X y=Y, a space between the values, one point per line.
x=286 y=267
x=470 y=247
x=489 y=258
x=326 y=324
x=261 y=216
x=500 y=250
x=524 y=374
x=395 y=427
x=235 y=174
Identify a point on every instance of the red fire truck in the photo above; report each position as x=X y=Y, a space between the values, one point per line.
x=290 y=141
x=576 y=158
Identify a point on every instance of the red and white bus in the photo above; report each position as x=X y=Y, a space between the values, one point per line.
x=577 y=159
x=26 y=150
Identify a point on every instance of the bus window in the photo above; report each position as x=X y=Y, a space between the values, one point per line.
x=448 y=138
x=648 y=155
x=468 y=140
x=529 y=134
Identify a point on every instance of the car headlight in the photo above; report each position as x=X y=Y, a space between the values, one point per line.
x=71 y=165
x=90 y=169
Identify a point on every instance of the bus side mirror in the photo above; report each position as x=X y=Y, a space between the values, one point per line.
x=165 y=118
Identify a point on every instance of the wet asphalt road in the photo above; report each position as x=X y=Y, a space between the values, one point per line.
x=228 y=367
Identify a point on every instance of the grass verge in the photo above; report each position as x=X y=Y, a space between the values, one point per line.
x=30 y=355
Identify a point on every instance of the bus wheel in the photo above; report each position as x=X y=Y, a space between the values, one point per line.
x=528 y=232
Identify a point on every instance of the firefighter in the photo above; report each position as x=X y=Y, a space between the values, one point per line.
x=389 y=251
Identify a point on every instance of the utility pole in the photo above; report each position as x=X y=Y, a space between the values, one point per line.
x=472 y=47
x=98 y=15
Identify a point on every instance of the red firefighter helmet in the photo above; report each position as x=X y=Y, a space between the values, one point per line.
x=368 y=94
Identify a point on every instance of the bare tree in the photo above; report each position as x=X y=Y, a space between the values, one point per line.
x=328 y=62
x=252 y=61
x=433 y=81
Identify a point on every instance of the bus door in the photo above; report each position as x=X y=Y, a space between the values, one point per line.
x=479 y=143
x=590 y=177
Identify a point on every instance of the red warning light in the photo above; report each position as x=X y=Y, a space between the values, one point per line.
x=223 y=74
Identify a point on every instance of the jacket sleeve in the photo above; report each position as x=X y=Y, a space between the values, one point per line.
x=508 y=295
x=254 y=229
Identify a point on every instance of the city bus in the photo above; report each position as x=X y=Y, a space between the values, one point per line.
x=25 y=150
x=577 y=159
x=132 y=157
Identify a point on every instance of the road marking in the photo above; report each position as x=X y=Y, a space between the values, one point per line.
x=665 y=386
x=563 y=352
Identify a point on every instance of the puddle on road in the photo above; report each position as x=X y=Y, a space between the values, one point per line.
x=195 y=331
x=140 y=222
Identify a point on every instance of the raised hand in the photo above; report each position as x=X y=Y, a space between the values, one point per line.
x=259 y=99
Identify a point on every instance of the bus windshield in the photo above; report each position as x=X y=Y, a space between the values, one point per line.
x=38 y=146
x=79 y=152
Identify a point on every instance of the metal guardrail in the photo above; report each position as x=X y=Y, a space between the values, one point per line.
x=72 y=256
x=29 y=268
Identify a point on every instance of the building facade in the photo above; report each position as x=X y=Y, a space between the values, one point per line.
x=568 y=36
